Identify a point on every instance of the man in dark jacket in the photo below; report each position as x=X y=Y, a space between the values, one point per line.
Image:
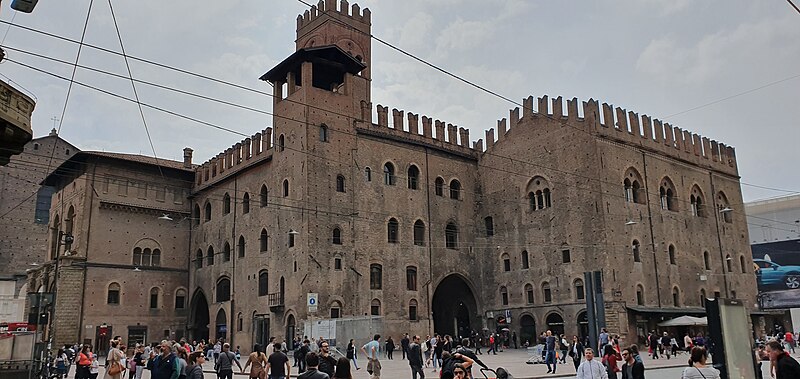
x=312 y=362
x=415 y=359
x=404 y=345
x=785 y=366
x=576 y=351
x=300 y=355
x=631 y=369
x=164 y=366
x=327 y=363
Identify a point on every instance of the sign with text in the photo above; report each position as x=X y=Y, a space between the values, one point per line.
x=311 y=301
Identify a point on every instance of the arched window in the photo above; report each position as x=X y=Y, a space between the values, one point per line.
x=155 y=258
x=154 y=295
x=180 y=299
x=323 y=133
x=668 y=195
x=525 y=262
x=263 y=283
x=196 y=214
x=198 y=260
x=210 y=256
x=337 y=236
x=113 y=294
x=419 y=233
x=579 y=291
x=439 y=187
x=239 y=322
x=671 y=252
x=285 y=187
x=368 y=174
x=388 y=174
x=729 y=262
x=246 y=203
x=697 y=202
x=538 y=194
x=637 y=256
x=413 y=177
x=392 y=230
x=506 y=262
x=411 y=278
x=208 y=211
x=503 y=295
x=146 y=256
x=528 y=294
x=263 y=241
x=223 y=289
x=137 y=256
x=263 y=196
x=226 y=252
x=451 y=236
x=724 y=208
x=375 y=307
x=281 y=142
x=547 y=295
x=412 y=310
x=633 y=186
x=488 y=222
x=340 y=183
x=241 y=247
x=742 y=264
x=706 y=260
x=455 y=189
x=676 y=297
x=639 y=295
x=226 y=203
x=375 y=276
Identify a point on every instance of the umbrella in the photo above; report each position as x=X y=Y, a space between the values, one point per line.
x=686 y=321
x=505 y=330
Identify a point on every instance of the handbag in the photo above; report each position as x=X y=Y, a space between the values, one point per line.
x=115 y=368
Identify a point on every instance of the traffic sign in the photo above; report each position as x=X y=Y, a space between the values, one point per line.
x=312 y=300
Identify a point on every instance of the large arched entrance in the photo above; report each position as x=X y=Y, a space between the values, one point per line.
x=290 y=328
x=527 y=331
x=555 y=324
x=221 y=324
x=198 y=318
x=454 y=308
x=583 y=326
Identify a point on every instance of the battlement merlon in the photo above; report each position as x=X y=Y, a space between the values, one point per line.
x=621 y=125
x=234 y=158
x=329 y=8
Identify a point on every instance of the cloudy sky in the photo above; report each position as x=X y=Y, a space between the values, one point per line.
x=724 y=69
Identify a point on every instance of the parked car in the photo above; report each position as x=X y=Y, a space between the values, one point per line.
x=772 y=274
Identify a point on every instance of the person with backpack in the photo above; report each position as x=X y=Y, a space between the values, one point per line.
x=224 y=364
x=258 y=360
x=300 y=354
x=352 y=354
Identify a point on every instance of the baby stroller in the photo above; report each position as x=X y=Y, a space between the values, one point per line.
x=500 y=373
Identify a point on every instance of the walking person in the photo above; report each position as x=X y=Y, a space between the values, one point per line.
x=61 y=363
x=301 y=353
x=404 y=342
x=141 y=360
x=415 y=358
x=372 y=350
x=631 y=369
x=610 y=359
x=785 y=366
x=327 y=363
x=665 y=344
x=342 y=369
x=563 y=347
x=83 y=362
x=94 y=369
x=389 y=347
x=114 y=365
x=257 y=361
x=312 y=362
x=223 y=365
x=550 y=347
x=182 y=359
x=602 y=341
x=576 y=351
x=697 y=366
x=591 y=368
x=351 y=353
x=195 y=368
x=277 y=362
x=652 y=340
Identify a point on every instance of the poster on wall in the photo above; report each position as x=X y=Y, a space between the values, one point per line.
x=777 y=269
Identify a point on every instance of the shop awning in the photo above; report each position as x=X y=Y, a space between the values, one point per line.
x=685 y=321
x=684 y=310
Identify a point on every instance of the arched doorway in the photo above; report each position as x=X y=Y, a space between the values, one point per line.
x=199 y=318
x=555 y=323
x=527 y=331
x=290 y=328
x=583 y=326
x=454 y=308
x=221 y=324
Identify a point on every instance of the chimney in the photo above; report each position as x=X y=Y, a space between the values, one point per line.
x=187 y=157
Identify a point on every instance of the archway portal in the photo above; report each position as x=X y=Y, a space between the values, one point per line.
x=199 y=319
x=454 y=308
x=222 y=324
x=527 y=333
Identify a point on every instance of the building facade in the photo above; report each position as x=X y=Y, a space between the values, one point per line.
x=402 y=216
x=116 y=255
x=25 y=207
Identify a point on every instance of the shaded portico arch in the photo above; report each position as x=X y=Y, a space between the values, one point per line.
x=454 y=307
x=221 y=324
x=198 y=318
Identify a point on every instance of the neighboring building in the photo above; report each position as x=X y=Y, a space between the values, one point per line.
x=124 y=269
x=420 y=228
x=25 y=207
x=775 y=237
x=16 y=109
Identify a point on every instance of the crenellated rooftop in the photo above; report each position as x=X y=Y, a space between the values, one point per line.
x=243 y=154
x=329 y=6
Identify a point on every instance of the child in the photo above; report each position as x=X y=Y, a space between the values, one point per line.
x=94 y=369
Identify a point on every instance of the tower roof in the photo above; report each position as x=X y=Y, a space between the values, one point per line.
x=331 y=55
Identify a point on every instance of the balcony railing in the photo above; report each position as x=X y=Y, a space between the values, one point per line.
x=275 y=301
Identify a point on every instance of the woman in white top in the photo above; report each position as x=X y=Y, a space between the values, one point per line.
x=698 y=368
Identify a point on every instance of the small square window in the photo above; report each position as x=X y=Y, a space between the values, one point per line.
x=565 y=256
x=337 y=263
